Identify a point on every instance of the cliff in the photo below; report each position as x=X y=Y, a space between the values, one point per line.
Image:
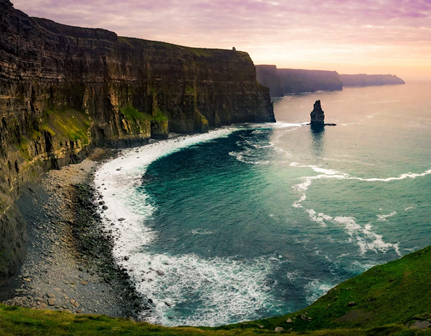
x=66 y=89
x=369 y=80
x=288 y=81
x=298 y=81
x=267 y=75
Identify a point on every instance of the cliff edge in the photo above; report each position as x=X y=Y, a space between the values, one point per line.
x=66 y=89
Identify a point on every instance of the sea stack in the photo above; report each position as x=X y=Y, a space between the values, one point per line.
x=317 y=115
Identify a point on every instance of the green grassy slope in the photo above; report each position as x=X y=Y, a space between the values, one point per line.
x=385 y=300
x=396 y=292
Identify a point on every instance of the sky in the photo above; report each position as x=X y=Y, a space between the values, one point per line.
x=349 y=36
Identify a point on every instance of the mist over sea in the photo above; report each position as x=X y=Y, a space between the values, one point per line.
x=254 y=221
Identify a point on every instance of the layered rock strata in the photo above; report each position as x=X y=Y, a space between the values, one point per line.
x=66 y=89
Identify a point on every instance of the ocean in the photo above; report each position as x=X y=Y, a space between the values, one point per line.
x=258 y=220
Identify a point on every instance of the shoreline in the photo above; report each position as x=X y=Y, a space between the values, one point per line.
x=69 y=264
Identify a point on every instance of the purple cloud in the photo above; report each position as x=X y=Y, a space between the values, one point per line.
x=273 y=31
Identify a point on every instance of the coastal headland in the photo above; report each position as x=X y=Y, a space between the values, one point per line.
x=67 y=90
x=72 y=98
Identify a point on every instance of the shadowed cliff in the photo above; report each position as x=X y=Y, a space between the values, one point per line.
x=288 y=81
x=267 y=75
x=291 y=81
x=298 y=81
x=66 y=89
x=369 y=80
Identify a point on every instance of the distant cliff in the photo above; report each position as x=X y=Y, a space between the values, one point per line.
x=298 y=81
x=288 y=81
x=65 y=89
x=267 y=75
x=369 y=80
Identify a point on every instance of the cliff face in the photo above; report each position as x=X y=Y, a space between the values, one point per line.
x=369 y=80
x=267 y=75
x=288 y=81
x=65 y=89
x=298 y=81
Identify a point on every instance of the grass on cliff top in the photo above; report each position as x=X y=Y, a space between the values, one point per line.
x=385 y=300
x=23 y=321
x=396 y=292
x=178 y=49
x=68 y=124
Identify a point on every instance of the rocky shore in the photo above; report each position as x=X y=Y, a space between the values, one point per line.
x=69 y=264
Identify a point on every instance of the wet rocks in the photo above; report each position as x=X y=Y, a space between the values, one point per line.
x=79 y=274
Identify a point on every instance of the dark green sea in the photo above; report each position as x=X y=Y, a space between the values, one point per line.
x=254 y=221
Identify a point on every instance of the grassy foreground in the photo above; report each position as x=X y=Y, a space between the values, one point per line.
x=385 y=300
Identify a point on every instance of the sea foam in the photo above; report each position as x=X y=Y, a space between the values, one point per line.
x=361 y=235
x=222 y=290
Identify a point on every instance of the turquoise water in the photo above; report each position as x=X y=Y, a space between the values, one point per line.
x=259 y=220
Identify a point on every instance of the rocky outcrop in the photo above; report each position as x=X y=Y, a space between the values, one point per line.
x=369 y=80
x=66 y=89
x=267 y=75
x=317 y=115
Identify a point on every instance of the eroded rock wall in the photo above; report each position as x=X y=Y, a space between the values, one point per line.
x=65 y=89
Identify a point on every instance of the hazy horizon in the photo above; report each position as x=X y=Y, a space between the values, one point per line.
x=347 y=36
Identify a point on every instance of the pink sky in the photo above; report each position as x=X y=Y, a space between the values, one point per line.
x=350 y=36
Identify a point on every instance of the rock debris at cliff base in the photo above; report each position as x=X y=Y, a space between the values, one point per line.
x=69 y=265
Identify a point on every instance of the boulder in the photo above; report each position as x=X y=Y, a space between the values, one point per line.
x=420 y=325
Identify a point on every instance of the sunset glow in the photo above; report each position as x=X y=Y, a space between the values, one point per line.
x=349 y=36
